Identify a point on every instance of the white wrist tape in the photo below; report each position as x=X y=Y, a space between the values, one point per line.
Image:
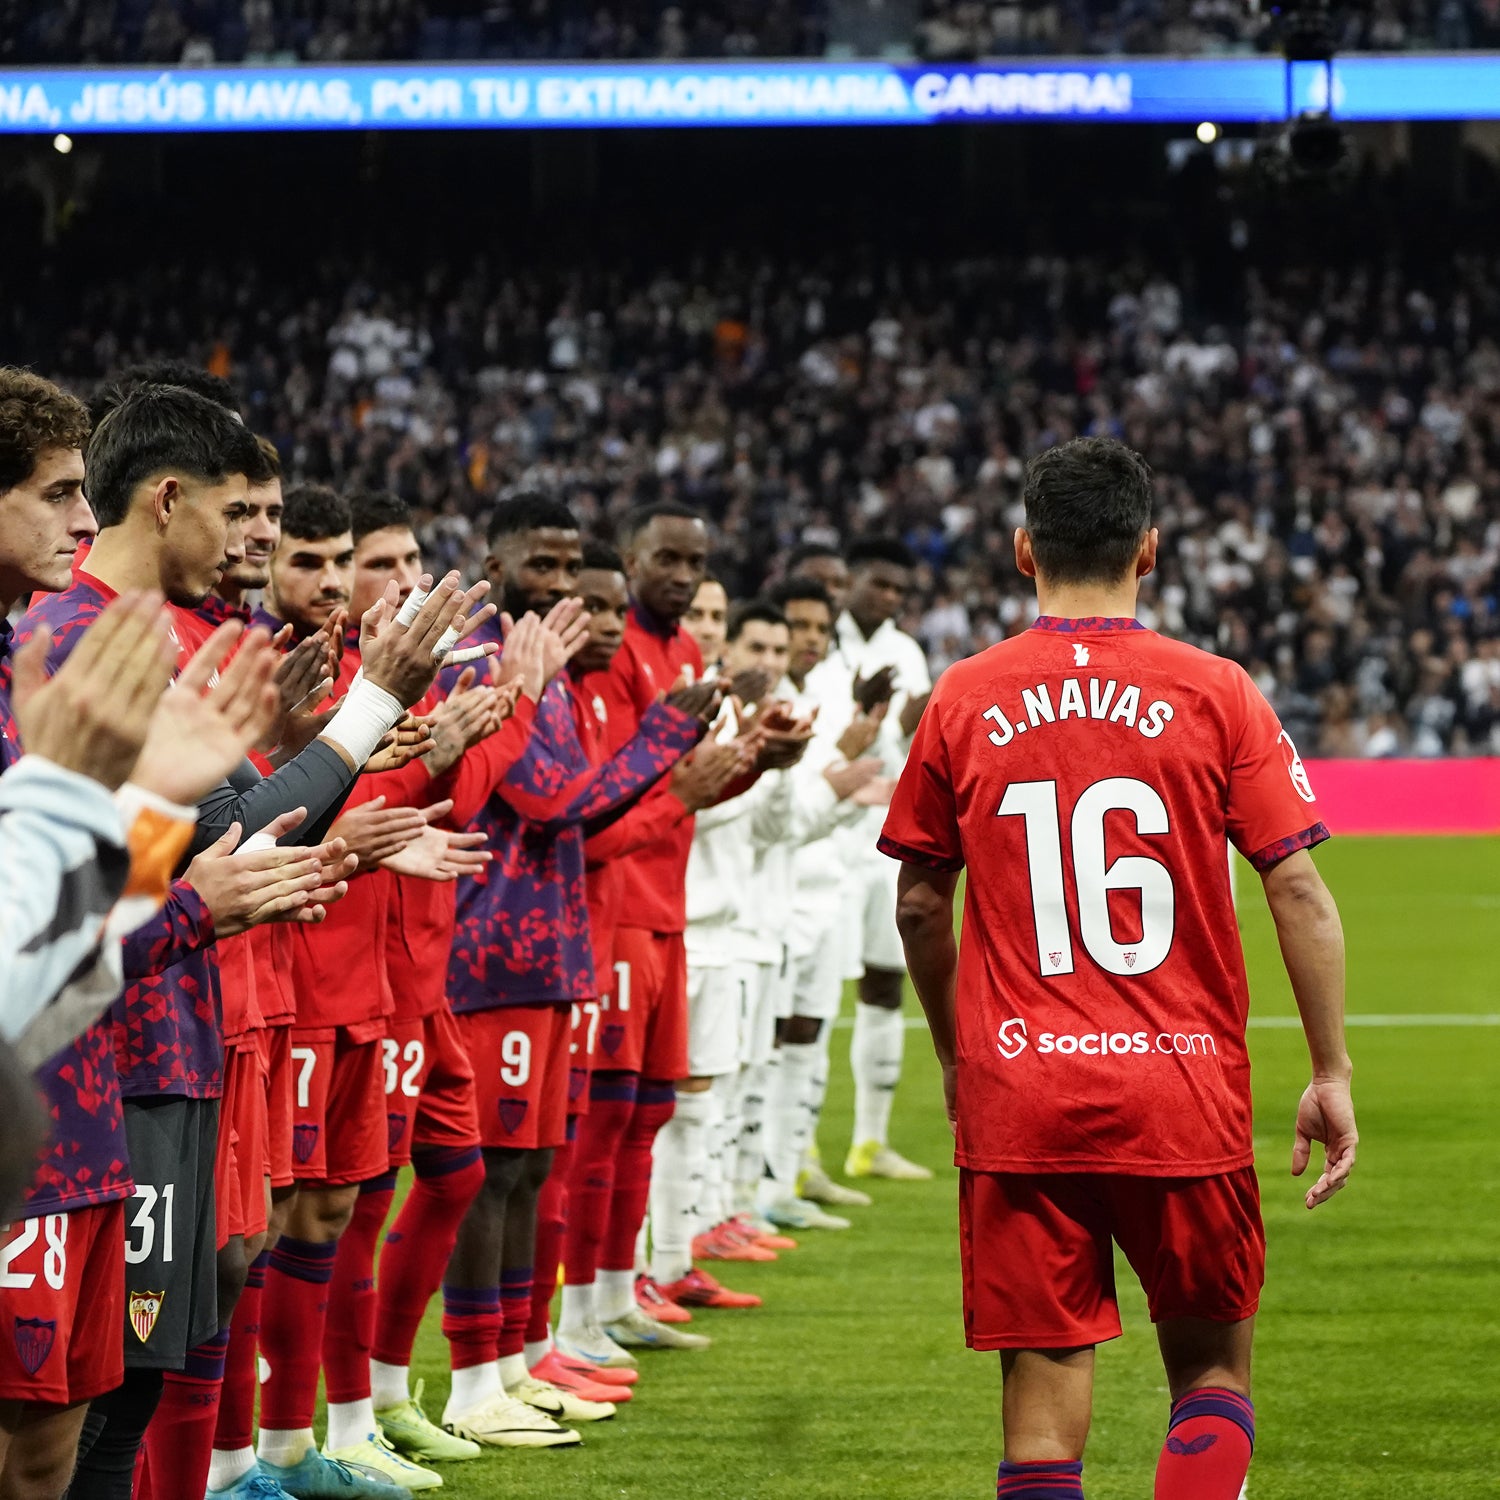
x=366 y=715
x=414 y=602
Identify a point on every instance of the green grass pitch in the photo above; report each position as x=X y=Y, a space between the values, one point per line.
x=1379 y=1333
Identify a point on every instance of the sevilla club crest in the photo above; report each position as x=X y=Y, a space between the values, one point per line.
x=610 y=1039
x=395 y=1128
x=304 y=1142
x=145 y=1309
x=34 y=1340
x=512 y=1113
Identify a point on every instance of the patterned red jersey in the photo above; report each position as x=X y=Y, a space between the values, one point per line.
x=653 y=657
x=1087 y=775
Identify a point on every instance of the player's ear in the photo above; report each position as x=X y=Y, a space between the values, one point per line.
x=1145 y=559
x=165 y=498
x=1025 y=559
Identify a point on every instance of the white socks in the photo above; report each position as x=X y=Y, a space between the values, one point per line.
x=614 y=1294
x=226 y=1467
x=473 y=1387
x=789 y=1117
x=350 y=1422
x=677 y=1165
x=536 y=1353
x=577 y=1312
x=715 y=1205
x=746 y=1158
x=512 y=1370
x=875 y=1060
x=389 y=1385
x=284 y=1447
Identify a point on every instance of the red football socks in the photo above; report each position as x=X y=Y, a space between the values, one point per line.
x=591 y=1171
x=295 y=1312
x=654 y=1104
x=471 y=1324
x=350 y=1329
x=417 y=1249
x=515 y=1309
x=551 y=1221
x=236 y=1426
x=180 y=1440
x=1209 y=1442
x=1050 y=1480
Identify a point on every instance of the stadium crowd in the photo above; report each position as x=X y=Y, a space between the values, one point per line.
x=200 y=32
x=1326 y=445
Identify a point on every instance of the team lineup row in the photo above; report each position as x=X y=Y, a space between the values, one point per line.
x=553 y=904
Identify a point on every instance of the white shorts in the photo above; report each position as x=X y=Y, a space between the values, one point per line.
x=761 y=989
x=880 y=939
x=715 y=1017
x=818 y=979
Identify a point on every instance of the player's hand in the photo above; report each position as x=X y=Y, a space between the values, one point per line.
x=877 y=792
x=784 y=737
x=851 y=777
x=374 y=832
x=912 y=711
x=950 y=1095
x=873 y=691
x=523 y=661
x=1326 y=1114
x=94 y=716
x=862 y=730
x=243 y=888
x=462 y=719
x=751 y=685
x=202 y=728
x=405 y=659
x=441 y=854
x=408 y=740
x=565 y=632
x=700 y=700
x=699 y=778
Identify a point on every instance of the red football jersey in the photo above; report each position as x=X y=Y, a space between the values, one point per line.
x=1087 y=774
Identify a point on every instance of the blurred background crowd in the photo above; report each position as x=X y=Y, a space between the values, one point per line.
x=200 y=32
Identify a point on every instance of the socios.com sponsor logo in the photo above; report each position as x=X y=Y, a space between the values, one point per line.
x=1011 y=1041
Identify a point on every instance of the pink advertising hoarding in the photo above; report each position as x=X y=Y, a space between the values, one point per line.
x=1408 y=796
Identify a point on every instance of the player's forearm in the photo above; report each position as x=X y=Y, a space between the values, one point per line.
x=924 y=915
x=1312 y=948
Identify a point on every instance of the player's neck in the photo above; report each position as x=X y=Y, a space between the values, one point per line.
x=230 y=592
x=1087 y=601
x=118 y=559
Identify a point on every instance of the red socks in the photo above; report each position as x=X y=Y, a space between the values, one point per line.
x=417 y=1248
x=654 y=1104
x=590 y=1178
x=350 y=1329
x=1209 y=1442
x=180 y=1439
x=471 y=1324
x=515 y=1309
x=291 y=1331
x=1053 y=1479
x=551 y=1221
x=236 y=1427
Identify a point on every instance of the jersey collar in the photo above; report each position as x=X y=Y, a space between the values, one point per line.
x=1086 y=624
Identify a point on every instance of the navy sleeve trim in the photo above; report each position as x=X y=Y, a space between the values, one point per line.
x=909 y=856
x=1273 y=854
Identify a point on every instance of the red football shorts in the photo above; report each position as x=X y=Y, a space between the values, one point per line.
x=338 y=1107
x=1038 y=1263
x=429 y=1087
x=64 y=1280
x=586 y=1018
x=643 y=1026
x=240 y=1157
x=520 y=1056
x=276 y=1060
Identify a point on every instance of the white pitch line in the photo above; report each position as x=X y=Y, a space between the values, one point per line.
x=1293 y=1023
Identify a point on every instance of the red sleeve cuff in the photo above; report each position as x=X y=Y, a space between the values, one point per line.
x=1273 y=854
x=909 y=856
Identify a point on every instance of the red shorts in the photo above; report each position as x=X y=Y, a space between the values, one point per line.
x=338 y=1107
x=240 y=1158
x=429 y=1087
x=276 y=1058
x=1038 y=1263
x=644 y=1023
x=586 y=1017
x=520 y=1056
x=62 y=1295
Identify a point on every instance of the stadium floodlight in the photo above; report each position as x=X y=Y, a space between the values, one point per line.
x=1207 y=133
x=62 y=144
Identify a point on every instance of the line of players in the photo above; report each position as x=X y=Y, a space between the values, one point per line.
x=579 y=1004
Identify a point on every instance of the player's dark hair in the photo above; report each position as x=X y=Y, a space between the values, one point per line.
x=375 y=510
x=162 y=372
x=1088 y=505
x=602 y=557
x=809 y=552
x=797 y=590
x=35 y=416
x=157 y=429
x=531 y=511
x=886 y=549
x=752 y=612
x=314 y=512
x=271 y=461
x=640 y=518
